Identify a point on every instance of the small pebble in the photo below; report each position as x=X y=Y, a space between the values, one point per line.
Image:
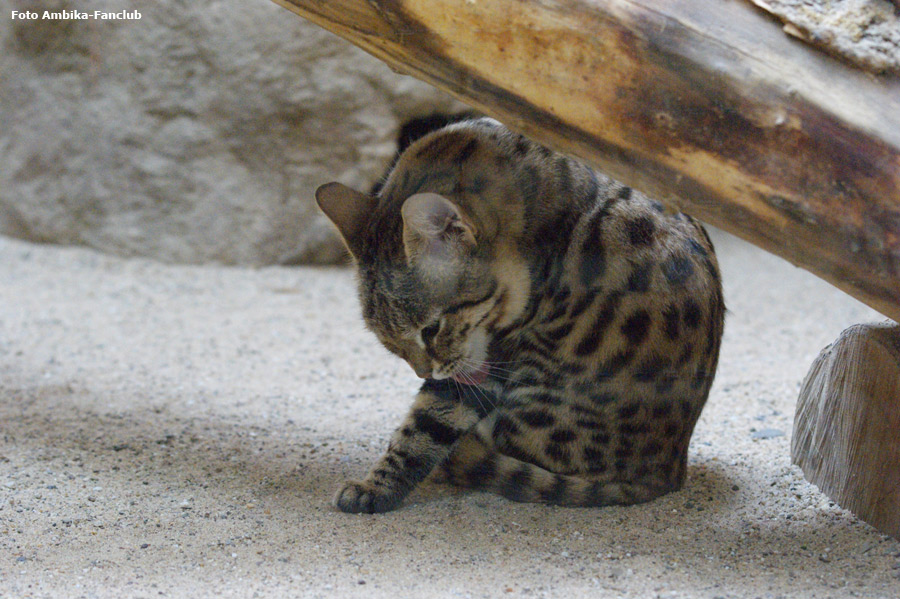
x=767 y=433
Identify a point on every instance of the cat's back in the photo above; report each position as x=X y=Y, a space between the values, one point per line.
x=509 y=184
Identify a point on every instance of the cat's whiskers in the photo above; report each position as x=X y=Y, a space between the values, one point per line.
x=478 y=393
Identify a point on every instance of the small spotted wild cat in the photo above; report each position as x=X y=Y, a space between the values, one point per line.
x=567 y=327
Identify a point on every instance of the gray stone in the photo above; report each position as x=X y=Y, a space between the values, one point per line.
x=197 y=133
x=864 y=32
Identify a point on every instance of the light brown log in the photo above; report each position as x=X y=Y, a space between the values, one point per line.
x=705 y=105
x=847 y=426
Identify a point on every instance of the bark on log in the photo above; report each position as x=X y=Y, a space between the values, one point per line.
x=705 y=105
x=847 y=426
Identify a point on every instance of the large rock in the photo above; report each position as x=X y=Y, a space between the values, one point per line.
x=197 y=133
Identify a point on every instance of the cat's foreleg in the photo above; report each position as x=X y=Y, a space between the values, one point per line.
x=428 y=434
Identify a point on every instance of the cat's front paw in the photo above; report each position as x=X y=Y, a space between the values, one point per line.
x=363 y=497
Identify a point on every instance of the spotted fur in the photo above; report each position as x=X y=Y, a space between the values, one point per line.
x=567 y=327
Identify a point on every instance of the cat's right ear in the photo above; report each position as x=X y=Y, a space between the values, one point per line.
x=349 y=210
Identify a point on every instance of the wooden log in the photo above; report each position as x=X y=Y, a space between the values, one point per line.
x=704 y=105
x=847 y=426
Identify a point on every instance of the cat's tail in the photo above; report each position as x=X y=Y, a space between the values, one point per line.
x=476 y=464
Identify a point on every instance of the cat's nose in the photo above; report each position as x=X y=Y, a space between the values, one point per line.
x=423 y=371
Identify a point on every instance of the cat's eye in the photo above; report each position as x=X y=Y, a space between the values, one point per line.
x=429 y=332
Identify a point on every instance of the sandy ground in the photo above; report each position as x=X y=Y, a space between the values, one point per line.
x=170 y=431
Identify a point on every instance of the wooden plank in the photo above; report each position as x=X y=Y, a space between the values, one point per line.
x=705 y=105
x=847 y=426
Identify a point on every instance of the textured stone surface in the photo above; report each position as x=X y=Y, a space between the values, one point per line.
x=865 y=32
x=197 y=133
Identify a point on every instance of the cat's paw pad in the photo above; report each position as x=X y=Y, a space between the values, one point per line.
x=362 y=497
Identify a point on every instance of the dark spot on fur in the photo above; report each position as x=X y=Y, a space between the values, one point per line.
x=699 y=379
x=547 y=399
x=624 y=193
x=640 y=231
x=603 y=398
x=413 y=463
x=678 y=269
x=593 y=425
x=560 y=332
x=537 y=418
x=515 y=452
x=651 y=369
x=639 y=279
x=558 y=312
x=439 y=432
x=560 y=453
x=661 y=410
x=466 y=151
x=636 y=326
x=600 y=438
x=482 y=473
x=594 y=455
x=672 y=429
x=593 y=254
x=651 y=448
x=671 y=321
x=593 y=266
x=629 y=411
x=686 y=353
x=477 y=185
x=581 y=305
x=504 y=426
x=518 y=484
x=623 y=453
x=437 y=145
x=616 y=363
x=522 y=146
x=557 y=492
x=693 y=314
x=629 y=429
x=563 y=436
x=591 y=341
x=561 y=294
x=665 y=384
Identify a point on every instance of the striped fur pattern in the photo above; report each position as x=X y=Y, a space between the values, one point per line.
x=567 y=328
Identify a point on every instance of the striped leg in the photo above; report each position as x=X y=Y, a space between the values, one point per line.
x=425 y=439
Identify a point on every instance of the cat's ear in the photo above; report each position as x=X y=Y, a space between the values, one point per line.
x=434 y=226
x=349 y=210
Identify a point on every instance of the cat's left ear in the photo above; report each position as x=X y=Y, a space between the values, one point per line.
x=349 y=210
x=436 y=227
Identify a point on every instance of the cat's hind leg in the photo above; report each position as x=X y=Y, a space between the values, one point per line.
x=475 y=463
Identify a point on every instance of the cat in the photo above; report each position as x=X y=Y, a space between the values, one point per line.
x=567 y=328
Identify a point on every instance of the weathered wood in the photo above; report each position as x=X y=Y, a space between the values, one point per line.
x=847 y=426
x=705 y=105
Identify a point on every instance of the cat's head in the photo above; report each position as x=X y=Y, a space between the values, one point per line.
x=429 y=286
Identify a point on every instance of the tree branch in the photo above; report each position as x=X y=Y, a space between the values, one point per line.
x=705 y=105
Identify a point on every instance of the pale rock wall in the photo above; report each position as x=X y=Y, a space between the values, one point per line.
x=195 y=134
